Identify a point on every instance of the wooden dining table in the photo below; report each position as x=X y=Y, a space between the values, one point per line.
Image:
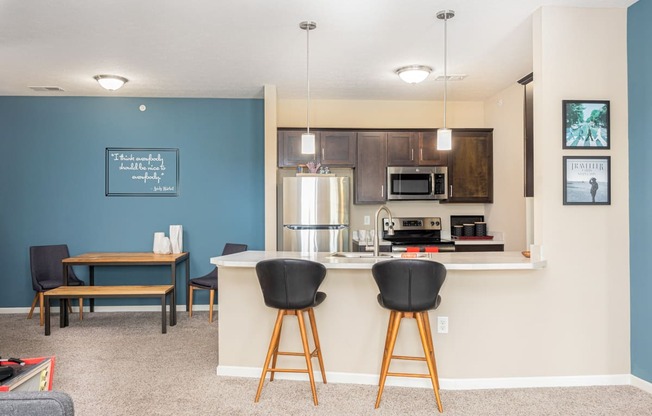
x=128 y=259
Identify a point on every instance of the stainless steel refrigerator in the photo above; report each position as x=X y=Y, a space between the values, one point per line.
x=316 y=213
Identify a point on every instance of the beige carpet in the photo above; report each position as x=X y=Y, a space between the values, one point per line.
x=120 y=364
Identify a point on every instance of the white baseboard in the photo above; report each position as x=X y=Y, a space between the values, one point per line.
x=641 y=384
x=445 y=383
x=118 y=308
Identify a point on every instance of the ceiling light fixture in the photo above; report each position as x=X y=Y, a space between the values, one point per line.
x=110 y=82
x=307 y=138
x=444 y=135
x=414 y=74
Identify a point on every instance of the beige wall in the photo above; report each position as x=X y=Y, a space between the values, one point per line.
x=270 y=166
x=571 y=318
x=582 y=297
x=504 y=112
x=380 y=114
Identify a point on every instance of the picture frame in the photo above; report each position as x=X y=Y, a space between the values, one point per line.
x=141 y=171
x=586 y=124
x=587 y=180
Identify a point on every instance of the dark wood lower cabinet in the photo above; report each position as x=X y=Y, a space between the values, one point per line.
x=479 y=247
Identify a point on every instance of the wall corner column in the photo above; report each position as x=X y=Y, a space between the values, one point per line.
x=270 y=165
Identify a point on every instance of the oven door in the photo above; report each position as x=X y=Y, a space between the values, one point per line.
x=441 y=247
x=409 y=184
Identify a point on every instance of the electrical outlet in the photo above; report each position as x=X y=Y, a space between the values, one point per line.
x=367 y=220
x=442 y=324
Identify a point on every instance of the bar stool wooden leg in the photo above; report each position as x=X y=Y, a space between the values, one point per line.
x=190 y=295
x=81 y=309
x=392 y=315
x=31 y=311
x=432 y=368
x=315 y=336
x=275 y=334
x=210 y=305
x=429 y=335
x=306 y=352
x=396 y=322
x=275 y=355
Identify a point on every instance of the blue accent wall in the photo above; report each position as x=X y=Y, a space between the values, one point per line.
x=639 y=61
x=52 y=178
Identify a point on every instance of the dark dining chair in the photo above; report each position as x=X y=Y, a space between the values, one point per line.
x=209 y=281
x=47 y=273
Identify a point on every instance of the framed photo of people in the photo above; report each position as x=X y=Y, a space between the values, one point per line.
x=586 y=124
x=587 y=180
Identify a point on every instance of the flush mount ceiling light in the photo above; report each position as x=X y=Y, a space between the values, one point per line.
x=414 y=74
x=307 y=138
x=110 y=82
x=444 y=135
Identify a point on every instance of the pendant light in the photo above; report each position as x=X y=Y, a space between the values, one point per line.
x=445 y=135
x=307 y=138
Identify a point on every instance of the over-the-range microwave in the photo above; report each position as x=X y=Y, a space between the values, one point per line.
x=417 y=182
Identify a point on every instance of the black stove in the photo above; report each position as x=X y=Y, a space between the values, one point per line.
x=416 y=234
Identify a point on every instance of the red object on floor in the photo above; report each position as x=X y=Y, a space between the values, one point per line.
x=432 y=249
x=413 y=249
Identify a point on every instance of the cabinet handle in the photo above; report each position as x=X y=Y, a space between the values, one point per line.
x=382 y=191
x=451 y=193
x=411 y=154
x=322 y=153
x=421 y=154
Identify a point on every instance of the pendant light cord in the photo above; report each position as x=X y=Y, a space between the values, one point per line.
x=445 y=65
x=308 y=77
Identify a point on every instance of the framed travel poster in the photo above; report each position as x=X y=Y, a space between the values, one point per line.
x=586 y=124
x=587 y=180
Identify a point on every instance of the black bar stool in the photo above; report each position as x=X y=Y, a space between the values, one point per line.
x=409 y=288
x=290 y=285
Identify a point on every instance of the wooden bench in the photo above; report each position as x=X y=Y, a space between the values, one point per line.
x=73 y=292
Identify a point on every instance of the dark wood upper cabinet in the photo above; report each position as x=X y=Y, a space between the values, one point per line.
x=428 y=153
x=470 y=166
x=413 y=148
x=370 y=173
x=289 y=149
x=470 y=162
x=333 y=148
x=402 y=148
x=338 y=148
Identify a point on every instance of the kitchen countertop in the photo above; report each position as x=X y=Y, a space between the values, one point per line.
x=504 y=260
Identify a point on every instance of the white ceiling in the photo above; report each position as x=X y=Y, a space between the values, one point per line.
x=231 y=48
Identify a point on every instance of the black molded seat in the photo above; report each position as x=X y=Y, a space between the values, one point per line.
x=47 y=273
x=209 y=280
x=409 y=288
x=290 y=285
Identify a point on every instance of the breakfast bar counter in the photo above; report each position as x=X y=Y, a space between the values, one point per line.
x=504 y=260
x=352 y=326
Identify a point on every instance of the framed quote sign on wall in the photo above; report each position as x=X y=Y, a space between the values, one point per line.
x=141 y=172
